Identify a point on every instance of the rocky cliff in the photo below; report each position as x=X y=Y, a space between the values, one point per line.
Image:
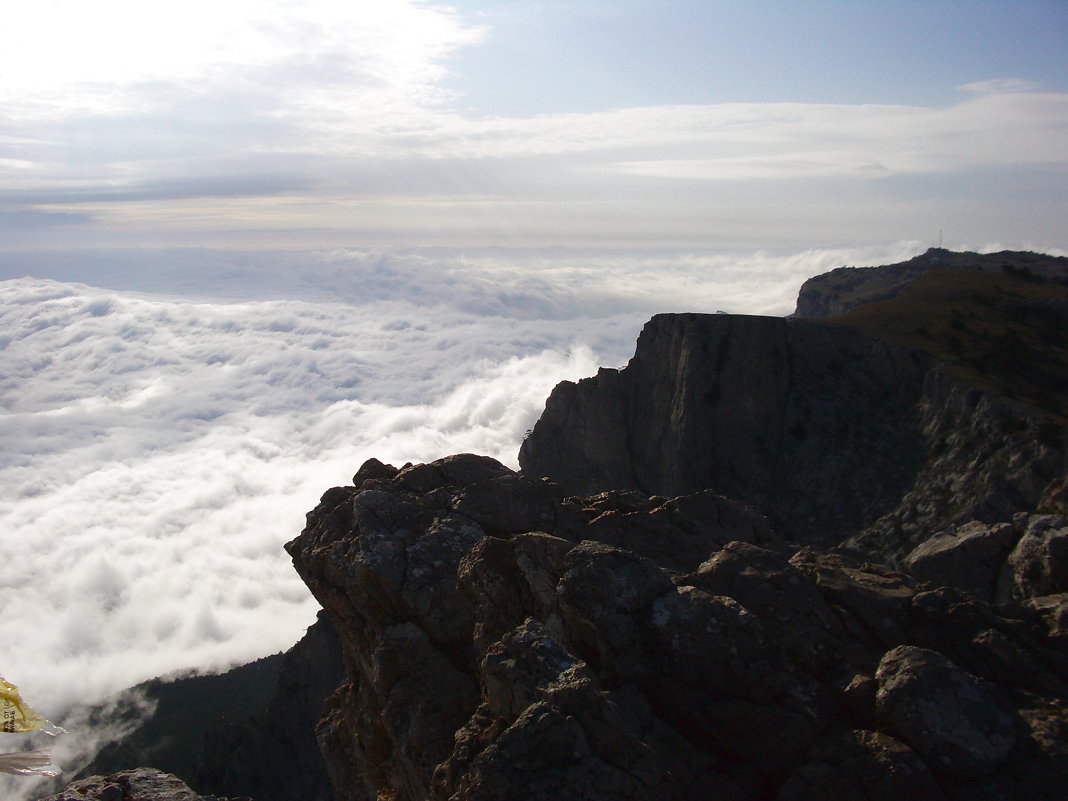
x=817 y=426
x=506 y=640
x=875 y=430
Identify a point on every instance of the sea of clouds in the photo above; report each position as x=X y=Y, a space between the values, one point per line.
x=168 y=417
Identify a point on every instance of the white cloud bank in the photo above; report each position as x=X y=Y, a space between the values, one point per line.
x=162 y=444
x=169 y=417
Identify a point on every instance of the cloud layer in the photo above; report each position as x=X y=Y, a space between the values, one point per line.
x=318 y=123
x=170 y=416
x=166 y=429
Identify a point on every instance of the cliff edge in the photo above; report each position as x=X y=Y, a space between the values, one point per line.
x=506 y=641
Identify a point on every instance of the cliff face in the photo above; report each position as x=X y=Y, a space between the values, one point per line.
x=503 y=641
x=839 y=437
x=817 y=426
x=274 y=755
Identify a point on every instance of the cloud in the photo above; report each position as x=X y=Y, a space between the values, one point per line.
x=167 y=429
x=315 y=124
x=122 y=56
x=675 y=176
x=999 y=86
x=31 y=218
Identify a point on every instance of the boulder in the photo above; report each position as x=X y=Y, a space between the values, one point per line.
x=1038 y=564
x=955 y=722
x=969 y=558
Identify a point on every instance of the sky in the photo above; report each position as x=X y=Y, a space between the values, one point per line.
x=245 y=246
x=697 y=124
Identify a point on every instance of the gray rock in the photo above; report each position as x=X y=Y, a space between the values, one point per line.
x=744 y=406
x=140 y=784
x=944 y=713
x=1054 y=611
x=836 y=292
x=1039 y=562
x=861 y=765
x=969 y=558
x=488 y=663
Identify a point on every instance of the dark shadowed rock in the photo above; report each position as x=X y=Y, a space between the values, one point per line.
x=969 y=558
x=654 y=648
x=934 y=405
x=274 y=755
x=1039 y=562
x=747 y=407
x=946 y=714
x=861 y=765
x=373 y=469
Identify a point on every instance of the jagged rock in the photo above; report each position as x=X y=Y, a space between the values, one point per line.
x=140 y=784
x=488 y=663
x=1054 y=610
x=946 y=714
x=1039 y=562
x=872 y=431
x=970 y=558
x=861 y=765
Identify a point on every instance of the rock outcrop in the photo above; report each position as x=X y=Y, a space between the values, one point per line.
x=817 y=426
x=835 y=436
x=836 y=292
x=504 y=640
x=140 y=784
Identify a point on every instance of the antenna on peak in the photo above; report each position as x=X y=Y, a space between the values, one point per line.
x=939 y=238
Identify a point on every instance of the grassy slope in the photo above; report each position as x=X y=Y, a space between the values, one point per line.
x=998 y=331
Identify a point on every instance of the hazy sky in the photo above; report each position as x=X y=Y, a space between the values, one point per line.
x=630 y=123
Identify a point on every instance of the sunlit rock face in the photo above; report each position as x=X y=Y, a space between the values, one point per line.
x=504 y=640
x=836 y=292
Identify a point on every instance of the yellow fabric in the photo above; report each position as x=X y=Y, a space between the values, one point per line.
x=17 y=717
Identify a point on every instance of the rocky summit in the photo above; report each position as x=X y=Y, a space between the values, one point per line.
x=505 y=640
x=820 y=557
